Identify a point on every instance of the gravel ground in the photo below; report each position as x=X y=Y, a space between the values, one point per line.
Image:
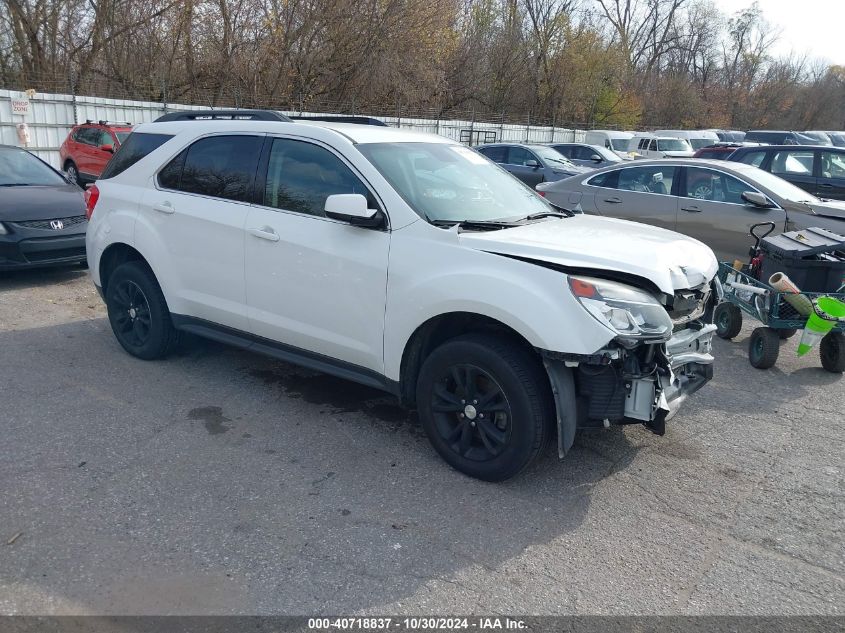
x=219 y=481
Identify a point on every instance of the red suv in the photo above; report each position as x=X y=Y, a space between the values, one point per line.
x=88 y=148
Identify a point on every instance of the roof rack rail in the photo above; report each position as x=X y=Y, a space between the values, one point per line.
x=102 y=122
x=223 y=115
x=359 y=120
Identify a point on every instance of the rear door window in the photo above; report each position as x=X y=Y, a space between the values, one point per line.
x=607 y=179
x=654 y=179
x=217 y=166
x=138 y=145
x=832 y=165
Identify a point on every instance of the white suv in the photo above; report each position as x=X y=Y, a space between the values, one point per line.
x=406 y=262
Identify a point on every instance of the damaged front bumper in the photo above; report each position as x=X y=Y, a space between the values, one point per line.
x=646 y=384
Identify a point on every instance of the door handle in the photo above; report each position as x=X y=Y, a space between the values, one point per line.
x=826 y=186
x=265 y=233
x=613 y=200
x=691 y=209
x=164 y=207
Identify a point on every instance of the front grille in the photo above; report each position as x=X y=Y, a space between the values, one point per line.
x=46 y=224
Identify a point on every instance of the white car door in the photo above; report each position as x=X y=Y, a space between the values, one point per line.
x=197 y=213
x=313 y=283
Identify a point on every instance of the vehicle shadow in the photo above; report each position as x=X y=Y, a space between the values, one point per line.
x=219 y=464
x=36 y=277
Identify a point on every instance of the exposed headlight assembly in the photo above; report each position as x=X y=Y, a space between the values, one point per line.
x=632 y=313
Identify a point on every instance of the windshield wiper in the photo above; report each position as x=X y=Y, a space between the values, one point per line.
x=481 y=224
x=560 y=212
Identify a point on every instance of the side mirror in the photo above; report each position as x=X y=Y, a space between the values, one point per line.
x=352 y=208
x=757 y=199
x=532 y=163
x=107 y=148
x=595 y=158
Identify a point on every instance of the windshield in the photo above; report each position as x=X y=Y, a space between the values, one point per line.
x=552 y=156
x=673 y=145
x=451 y=182
x=619 y=144
x=18 y=167
x=122 y=136
x=782 y=188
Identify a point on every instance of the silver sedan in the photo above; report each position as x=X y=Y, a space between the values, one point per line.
x=712 y=201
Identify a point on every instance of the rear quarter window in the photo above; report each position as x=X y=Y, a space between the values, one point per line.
x=136 y=147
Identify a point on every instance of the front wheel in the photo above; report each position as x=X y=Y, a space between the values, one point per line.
x=832 y=352
x=486 y=405
x=138 y=312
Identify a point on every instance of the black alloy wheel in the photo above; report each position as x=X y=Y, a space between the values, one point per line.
x=132 y=313
x=138 y=312
x=485 y=402
x=471 y=412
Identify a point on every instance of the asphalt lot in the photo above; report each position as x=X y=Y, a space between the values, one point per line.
x=220 y=481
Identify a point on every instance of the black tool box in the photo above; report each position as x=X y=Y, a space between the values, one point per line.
x=814 y=259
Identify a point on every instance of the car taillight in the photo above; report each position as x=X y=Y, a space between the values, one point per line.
x=92 y=194
x=542 y=194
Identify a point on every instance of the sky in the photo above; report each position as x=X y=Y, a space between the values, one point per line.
x=815 y=27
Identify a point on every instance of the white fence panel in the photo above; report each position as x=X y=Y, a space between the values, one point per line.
x=52 y=116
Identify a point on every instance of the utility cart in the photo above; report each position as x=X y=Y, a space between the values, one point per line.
x=745 y=292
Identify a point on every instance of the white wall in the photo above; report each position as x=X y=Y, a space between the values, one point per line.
x=51 y=117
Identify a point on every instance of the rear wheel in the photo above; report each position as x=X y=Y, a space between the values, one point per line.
x=72 y=172
x=832 y=352
x=728 y=319
x=138 y=312
x=485 y=405
x=785 y=334
x=763 y=348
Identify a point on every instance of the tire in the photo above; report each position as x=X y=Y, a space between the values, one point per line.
x=786 y=334
x=138 y=312
x=832 y=352
x=498 y=438
x=728 y=320
x=73 y=172
x=763 y=348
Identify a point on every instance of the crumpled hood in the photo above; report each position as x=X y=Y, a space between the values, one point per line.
x=669 y=260
x=41 y=202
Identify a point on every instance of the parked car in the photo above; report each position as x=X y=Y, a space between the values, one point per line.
x=696 y=138
x=88 y=148
x=591 y=156
x=729 y=136
x=818 y=138
x=717 y=151
x=614 y=140
x=42 y=214
x=650 y=146
x=532 y=164
x=836 y=138
x=407 y=262
x=713 y=201
x=818 y=170
x=779 y=137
